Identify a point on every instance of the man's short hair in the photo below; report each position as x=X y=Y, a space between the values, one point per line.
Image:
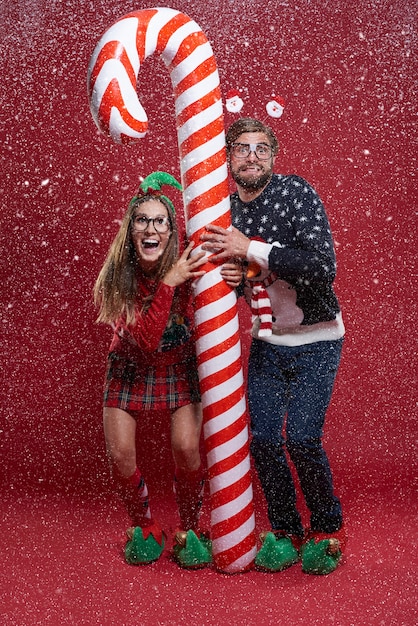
x=250 y=125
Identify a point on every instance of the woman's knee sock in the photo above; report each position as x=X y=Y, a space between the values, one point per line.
x=188 y=488
x=134 y=494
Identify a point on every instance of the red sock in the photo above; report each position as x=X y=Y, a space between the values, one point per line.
x=188 y=488
x=134 y=494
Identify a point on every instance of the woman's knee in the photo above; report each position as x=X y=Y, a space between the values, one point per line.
x=122 y=460
x=185 y=437
x=186 y=454
x=118 y=454
x=119 y=430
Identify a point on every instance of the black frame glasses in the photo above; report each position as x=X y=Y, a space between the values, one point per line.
x=161 y=223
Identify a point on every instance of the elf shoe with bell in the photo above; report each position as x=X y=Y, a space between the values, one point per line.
x=322 y=552
x=145 y=544
x=192 y=550
x=278 y=551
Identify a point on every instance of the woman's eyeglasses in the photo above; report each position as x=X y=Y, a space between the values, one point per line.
x=161 y=223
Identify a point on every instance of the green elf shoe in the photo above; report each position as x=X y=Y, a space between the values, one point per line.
x=277 y=553
x=191 y=551
x=145 y=545
x=322 y=552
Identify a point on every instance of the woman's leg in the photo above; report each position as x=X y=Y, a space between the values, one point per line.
x=186 y=425
x=119 y=430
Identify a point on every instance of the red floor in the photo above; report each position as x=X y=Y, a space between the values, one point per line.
x=62 y=563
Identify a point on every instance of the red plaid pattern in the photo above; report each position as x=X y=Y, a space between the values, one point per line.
x=132 y=389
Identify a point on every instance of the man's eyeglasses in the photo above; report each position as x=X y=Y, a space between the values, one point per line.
x=141 y=222
x=242 y=150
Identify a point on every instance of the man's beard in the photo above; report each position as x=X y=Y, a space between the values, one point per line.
x=252 y=184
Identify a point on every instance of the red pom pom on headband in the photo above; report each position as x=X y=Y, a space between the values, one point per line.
x=151 y=186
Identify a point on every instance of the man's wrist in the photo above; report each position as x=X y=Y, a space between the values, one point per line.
x=258 y=252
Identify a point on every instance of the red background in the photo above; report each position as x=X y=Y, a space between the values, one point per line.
x=346 y=70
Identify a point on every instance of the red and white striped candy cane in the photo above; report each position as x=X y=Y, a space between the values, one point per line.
x=112 y=79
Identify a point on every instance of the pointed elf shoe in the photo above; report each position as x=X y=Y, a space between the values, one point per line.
x=277 y=552
x=191 y=550
x=144 y=545
x=322 y=552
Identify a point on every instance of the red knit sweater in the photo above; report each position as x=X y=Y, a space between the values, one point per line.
x=162 y=335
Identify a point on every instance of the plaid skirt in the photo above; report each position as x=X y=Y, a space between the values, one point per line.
x=135 y=389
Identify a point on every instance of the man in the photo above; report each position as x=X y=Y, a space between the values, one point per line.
x=281 y=232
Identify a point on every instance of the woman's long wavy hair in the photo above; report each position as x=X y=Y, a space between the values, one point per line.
x=116 y=289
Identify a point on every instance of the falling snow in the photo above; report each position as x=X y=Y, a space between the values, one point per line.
x=347 y=73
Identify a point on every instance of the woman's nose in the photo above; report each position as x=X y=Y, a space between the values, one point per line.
x=151 y=221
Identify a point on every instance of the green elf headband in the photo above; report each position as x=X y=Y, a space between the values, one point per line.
x=151 y=186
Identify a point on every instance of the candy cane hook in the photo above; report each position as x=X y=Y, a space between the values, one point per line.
x=112 y=79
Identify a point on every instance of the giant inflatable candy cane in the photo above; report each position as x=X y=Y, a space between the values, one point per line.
x=112 y=79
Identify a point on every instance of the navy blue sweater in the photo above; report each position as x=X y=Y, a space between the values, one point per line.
x=290 y=215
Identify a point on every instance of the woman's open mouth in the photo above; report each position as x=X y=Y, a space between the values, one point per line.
x=150 y=244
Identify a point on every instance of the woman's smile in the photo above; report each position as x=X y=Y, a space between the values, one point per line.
x=150 y=233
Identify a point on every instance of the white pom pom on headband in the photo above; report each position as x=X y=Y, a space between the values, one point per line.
x=151 y=186
x=234 y=104
x=275 y=107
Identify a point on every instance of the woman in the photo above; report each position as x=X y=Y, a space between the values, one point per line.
x=143 y=291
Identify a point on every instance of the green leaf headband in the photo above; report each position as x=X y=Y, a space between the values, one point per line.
x=151 y=186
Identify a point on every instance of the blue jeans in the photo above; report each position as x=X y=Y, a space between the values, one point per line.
x=294 y=383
